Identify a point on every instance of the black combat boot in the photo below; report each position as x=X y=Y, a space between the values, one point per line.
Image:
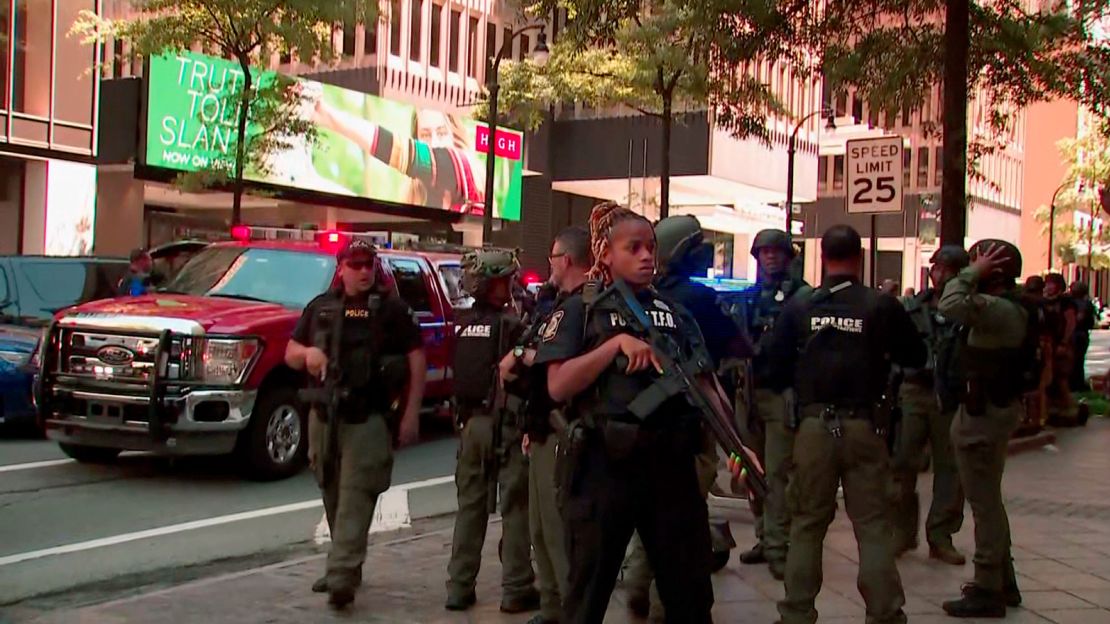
x=320 y=586
x=524 y=602
x=1012 y=594
x=947 y=553
x=460 y=602
x=977 y=603
x=753 y=556
x=340 y=598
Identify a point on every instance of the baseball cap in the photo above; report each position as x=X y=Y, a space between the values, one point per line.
x=356 y=247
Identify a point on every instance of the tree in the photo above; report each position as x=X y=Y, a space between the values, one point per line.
x=246 y=32
x=894 y=51
x=1087 y=179
x=656 y=58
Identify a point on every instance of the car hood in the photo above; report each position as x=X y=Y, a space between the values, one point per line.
x=18 y=339
x=178 y=313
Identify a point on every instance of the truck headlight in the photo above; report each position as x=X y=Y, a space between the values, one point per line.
x=226 y=361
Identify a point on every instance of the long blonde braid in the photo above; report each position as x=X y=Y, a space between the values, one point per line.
x=603 y=218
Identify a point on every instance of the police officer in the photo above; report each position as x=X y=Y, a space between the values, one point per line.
x=489 y=440
x=375 y=325
x=775 y=288
x=835 y=347
x=929 y=398
x=998 y=357
x=681 y=253
x=621 y=471
x=543 y=424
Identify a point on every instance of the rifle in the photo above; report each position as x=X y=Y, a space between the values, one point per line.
x=497 y=402
x=328 y=393
x=683 y=376
x=742 y=369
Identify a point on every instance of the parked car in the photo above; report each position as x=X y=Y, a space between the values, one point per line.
x=32 y=289
x=198 y=368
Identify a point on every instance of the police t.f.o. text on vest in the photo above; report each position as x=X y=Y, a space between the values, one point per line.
x=839 y=323
x=659 y=318
x=476 y=331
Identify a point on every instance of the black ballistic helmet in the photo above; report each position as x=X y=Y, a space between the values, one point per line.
x=772 y=238
x=951 y=256
x=1011 y=270
x=841 y=242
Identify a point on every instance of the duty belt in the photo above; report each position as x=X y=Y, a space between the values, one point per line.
x=832 y=415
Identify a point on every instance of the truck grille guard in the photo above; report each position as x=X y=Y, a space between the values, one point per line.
x=51 y=369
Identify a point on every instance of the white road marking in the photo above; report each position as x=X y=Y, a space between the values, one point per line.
x=392 y=513
x=38 y=464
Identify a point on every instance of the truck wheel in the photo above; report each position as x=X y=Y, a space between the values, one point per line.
x=275 y=443
x=90 y=454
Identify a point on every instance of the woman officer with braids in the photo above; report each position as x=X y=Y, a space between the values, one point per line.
x=618 y=473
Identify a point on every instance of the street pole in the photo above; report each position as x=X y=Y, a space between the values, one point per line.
x=494 y=88
x=1052 y=224
x=874 y=251
x=790 y=179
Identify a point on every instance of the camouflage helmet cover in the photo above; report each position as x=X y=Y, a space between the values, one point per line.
x=952 y=256
x=772 y=238
x=1011 y=269
x=480 y=267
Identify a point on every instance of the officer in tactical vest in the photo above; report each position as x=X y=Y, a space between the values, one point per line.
x=544 y=424
x=489 y=440
x=621 y=470
x=681 y=253
x=835 y=348
x=998 y=356
x=929 y=398
x=352 y=456
x=775 y=287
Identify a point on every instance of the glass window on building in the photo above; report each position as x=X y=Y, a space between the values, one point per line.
x=370 y=38
x=923 y=167
x=473 y=53
x=906 y=167
x=822 y=174
x=938 y=164
x=416 y=18
x=348 y=38
x=453 y=50
x=437 y=26
x=838 y=172
x=395 y=28
x=33 y=22
x=724 y=245
x=525 y=47
x=507 y=40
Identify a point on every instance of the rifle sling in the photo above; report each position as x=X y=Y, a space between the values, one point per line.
x=652 y=397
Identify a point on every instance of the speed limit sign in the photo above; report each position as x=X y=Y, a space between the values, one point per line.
x=875 y=174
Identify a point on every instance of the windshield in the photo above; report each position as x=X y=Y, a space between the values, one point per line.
x=289 y=278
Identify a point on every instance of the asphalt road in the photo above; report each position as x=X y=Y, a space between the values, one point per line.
x=145 y=520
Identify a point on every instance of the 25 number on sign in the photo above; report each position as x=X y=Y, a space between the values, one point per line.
x=881 y=191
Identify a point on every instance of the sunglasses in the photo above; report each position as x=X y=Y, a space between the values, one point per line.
x=359 y=265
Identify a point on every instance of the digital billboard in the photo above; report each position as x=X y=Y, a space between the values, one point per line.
x=366 y=146
x=70 y=208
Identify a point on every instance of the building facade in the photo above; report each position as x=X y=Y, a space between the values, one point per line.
x=48 y=129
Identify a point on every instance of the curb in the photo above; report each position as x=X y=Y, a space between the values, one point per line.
x=1029 y=443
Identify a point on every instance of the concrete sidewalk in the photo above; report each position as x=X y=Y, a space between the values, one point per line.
x=1058 y=497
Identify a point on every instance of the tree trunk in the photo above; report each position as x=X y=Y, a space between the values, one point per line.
x=953 y=190
x=665 y=170
x=241 y=146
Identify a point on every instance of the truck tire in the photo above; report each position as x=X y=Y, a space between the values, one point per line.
x=90 y=454
x=275 y=443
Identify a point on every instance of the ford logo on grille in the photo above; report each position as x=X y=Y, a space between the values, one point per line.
x=114 y=355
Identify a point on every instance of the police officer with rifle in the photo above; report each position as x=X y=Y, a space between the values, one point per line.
x=627 y=460
x=683 y=252
x=543 y=424
x=358 y=342
x=835 y=347
x=489 y=439
x=763 y=409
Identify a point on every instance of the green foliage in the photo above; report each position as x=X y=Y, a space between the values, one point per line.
x=1088 y=159
x=248 y=32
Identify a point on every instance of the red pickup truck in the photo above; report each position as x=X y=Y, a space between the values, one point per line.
x=198 y=367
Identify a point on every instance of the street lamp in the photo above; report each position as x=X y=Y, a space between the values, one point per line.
x=1052 y=223
x=539 y=55
x=790 y=149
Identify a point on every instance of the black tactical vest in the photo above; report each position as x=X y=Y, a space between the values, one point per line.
x=480 y=343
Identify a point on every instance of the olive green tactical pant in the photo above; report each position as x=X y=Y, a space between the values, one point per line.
x=364 y=471
x=857 y=459
x=981 y=444
x=778 y=454
x=923 y=424
x=547 y=528
x=638 y=576
x=472 y=481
